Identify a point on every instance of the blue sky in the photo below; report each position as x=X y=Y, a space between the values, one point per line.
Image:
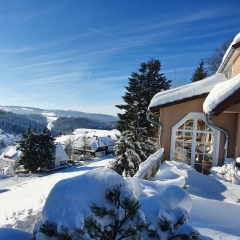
x=78 y=54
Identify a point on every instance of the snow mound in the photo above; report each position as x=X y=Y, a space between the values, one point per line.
x=10 y=233
x=69 y=201
x=229 y=171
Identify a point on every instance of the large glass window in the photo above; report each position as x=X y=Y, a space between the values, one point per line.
x=193 y=142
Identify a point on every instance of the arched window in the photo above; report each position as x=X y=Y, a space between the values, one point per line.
x=195 y=143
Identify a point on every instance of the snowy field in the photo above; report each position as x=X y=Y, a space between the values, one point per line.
x=215 y=203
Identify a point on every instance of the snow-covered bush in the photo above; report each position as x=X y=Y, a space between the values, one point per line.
x=170 y=222
x=102 y=205
x=229 y=170
x=8 y=170
x=95 y=205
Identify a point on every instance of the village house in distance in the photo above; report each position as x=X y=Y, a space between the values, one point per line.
x=95 y=146
x=199 y=123
x=11 y=156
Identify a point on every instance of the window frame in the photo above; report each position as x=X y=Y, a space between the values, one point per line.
x=195 y=116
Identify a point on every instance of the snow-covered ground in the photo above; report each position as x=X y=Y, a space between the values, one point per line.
x=50 y=116
x=215 y=211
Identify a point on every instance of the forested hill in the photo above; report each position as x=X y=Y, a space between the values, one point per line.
x=61 y=113
x=18 y=123
x=68 y=124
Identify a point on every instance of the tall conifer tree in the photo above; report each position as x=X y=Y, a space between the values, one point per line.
x=38 y=150
x=142 y=86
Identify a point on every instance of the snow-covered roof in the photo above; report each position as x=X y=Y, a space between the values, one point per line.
x=59 y=151
x=227 y=56
x=186 y=92
x=220 y=93
x=94 y=142
x=11 y=153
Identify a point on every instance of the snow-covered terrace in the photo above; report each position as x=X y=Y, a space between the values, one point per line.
x=187 y=92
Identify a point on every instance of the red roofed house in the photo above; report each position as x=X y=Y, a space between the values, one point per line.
x=199 y=123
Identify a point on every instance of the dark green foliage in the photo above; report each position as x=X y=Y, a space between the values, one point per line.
x=38 y=150
x=142 y=86
x=200 y=72
x=50 y=230
x=168 y=226
x=164 y=224
x=119 y=228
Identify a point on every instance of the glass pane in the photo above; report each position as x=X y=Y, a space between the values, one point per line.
x=200 y=148
x=200 y=137
x=179 y=145
x=188 y=136
x=182 y=126
x=182 y=156
x=179 y=135
x=209 y=138
x=201 y=125
x=189 y=124
x=207 y=164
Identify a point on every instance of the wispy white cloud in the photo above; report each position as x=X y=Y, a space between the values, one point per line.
x=120 y=38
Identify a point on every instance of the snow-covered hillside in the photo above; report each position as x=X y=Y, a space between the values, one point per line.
x=215 y=203
x=60 y=113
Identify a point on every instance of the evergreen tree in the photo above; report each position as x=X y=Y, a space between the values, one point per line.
x=200 y=72
x=127 y=160
x=142 y=86
x=38 y=150
x=132 y=148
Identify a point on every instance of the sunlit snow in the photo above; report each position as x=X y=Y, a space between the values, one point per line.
x=213 y=205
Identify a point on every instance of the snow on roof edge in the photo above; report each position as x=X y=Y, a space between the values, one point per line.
x=187 y=91
x=235 y=41
x=221 y=92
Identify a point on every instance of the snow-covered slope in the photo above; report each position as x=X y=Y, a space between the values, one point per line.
x=215 y=202
x=60 y=113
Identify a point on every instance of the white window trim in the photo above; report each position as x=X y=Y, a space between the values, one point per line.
x=203 y=118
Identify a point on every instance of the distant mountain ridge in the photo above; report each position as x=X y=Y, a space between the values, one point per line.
x=60 y=113
x=16 y=119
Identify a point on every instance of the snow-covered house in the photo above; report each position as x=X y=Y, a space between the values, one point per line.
x=200 y=122
x=10 y=157
x=61 y=157
x=95 y=145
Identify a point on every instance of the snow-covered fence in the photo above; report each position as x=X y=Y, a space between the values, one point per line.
x=149 y=168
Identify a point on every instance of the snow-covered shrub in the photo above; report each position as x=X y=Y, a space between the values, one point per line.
x=8 y=170
x=229 y=170
x=95 y=205
x=170 y=222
